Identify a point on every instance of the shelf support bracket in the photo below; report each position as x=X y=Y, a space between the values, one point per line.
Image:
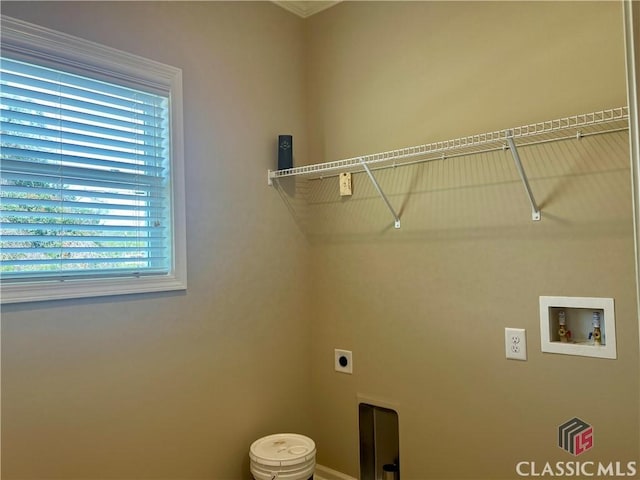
x=396 y=219
x=535 y=210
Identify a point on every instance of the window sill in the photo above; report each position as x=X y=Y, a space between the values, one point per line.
x=81 y=288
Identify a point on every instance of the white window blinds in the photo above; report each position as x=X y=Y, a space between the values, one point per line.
x=85 y=180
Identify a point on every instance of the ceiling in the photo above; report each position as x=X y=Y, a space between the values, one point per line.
x=305 y=8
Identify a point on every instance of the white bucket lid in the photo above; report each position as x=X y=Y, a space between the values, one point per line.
x=282 y=449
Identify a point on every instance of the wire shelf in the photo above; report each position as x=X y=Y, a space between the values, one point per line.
x=614 y=119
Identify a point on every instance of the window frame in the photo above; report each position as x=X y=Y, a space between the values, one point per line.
x=35 y=44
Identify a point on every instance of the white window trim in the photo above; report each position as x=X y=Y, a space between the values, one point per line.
x=32 y=42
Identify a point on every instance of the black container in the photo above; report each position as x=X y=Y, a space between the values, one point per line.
x=285 y=152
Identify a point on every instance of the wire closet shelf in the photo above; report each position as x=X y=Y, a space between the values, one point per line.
x=568 y=128
x=604 y=121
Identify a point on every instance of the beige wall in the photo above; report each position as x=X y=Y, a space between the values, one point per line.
x=424 y=308
x=179 y=385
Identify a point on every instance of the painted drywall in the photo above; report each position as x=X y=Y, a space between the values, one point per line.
x=178 y=385
x=424 y=308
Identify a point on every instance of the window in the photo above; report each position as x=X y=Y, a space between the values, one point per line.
x=91 y=174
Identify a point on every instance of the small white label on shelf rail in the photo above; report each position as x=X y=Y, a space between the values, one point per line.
x=345 y=184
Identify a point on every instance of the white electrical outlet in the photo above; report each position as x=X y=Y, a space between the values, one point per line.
x=343 y=362
x=515 y=343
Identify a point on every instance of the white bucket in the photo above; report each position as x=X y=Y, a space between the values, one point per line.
x=283 y=456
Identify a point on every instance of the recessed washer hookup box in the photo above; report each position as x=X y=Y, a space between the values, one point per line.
x=584 y=326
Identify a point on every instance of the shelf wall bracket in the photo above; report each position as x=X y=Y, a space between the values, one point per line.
x=396 y=219
x=535 y=210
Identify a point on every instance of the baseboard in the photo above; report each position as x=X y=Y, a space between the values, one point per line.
x=326 y=473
